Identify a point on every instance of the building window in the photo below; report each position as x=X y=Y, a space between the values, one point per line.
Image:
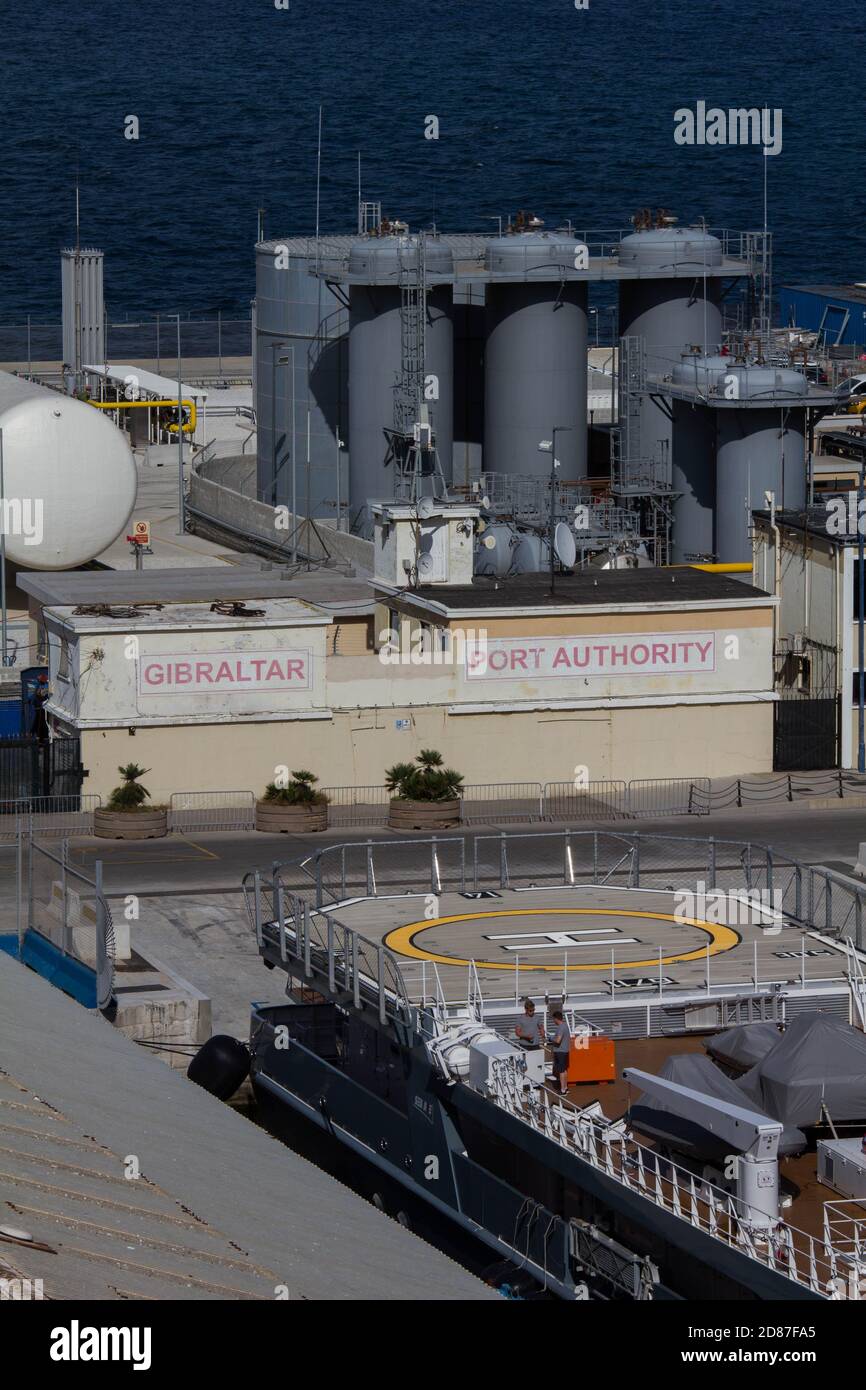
x=63 y=663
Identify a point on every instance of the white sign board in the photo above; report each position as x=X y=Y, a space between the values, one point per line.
x=224 y=673
x=599 y=656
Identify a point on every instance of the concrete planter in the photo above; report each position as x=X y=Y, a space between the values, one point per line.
x=278 y=818
x=149 y=824
x=423 y=815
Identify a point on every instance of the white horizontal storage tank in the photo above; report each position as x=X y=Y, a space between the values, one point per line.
x=69 y=477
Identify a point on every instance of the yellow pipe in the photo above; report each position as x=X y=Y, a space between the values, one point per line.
x=738 y=567
x=188 y=428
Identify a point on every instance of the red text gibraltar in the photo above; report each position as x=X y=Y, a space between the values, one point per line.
x=170 y=673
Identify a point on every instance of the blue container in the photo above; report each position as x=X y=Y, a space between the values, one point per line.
x=10 y=718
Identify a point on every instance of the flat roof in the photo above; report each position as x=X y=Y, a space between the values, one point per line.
x=120 y=619
x=161 y=387
x=812 y=521
x=638 y=588
x=328 y=589
x=257 y=1214
x=851 y=291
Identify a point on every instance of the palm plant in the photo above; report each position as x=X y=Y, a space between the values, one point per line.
x=300 y=791
x=130 y=795
x=424 y=780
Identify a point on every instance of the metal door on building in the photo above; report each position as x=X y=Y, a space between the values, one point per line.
x=806 y=732
x=30 y=769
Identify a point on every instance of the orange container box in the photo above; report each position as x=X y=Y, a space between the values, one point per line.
x=592 y=1059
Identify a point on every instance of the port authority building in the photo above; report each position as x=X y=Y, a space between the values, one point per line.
x=211 y=679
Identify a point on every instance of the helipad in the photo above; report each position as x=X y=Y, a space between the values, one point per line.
x=592 y=940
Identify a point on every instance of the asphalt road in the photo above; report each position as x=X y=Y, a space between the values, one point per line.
x=216 y=862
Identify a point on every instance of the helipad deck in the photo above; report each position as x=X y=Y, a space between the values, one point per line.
x=595 y=944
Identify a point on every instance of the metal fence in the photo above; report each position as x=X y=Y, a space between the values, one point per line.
x=814 y=897
x=513 y=859
x=520 y=801
x=67 y=909
x=789 y=786
x=49 y=815
x=147 y=335
x=357 y=805
x=197 y=811
x=591 y=801
x=536 y=801
x=480 y=803
x=674 y=796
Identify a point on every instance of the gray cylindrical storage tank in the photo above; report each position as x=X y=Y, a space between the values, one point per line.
x=313 y=379
x=669 y=314
x=693 y=459
x=375 y=362
x=535 y=365
x=468 y=381
x=759 y=450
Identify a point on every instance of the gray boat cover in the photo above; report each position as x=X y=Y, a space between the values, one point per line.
x=743 y=1045
x=818 y=1059
x=688 y=1135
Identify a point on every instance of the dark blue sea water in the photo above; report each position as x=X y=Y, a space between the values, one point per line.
x=566 y=112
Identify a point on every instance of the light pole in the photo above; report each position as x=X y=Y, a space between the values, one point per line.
x=181 y=504
x=549 y=446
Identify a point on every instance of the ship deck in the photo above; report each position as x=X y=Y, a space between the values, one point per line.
x=798 y=1174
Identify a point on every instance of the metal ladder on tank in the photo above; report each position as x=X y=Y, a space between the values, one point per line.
x=412 y=442
x=634 y=475
x=629 y=471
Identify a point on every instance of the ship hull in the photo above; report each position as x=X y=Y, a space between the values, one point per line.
x=496 y=1181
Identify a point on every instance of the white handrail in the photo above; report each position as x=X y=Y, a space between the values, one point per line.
x=609 y=1147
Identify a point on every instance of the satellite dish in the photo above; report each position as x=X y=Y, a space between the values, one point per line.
x=426 y=564
x=564 y=545
x=489 y=542
x=426 y=507
x=485 y=502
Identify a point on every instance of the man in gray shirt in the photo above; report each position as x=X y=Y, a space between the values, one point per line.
x=561 y=1043
x=530 y=1029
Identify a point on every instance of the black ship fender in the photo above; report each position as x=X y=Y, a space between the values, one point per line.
x=221 y=1066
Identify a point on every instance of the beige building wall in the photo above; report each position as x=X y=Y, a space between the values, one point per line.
x=354 y=748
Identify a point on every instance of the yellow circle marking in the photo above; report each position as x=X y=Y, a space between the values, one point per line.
x=402 y=939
